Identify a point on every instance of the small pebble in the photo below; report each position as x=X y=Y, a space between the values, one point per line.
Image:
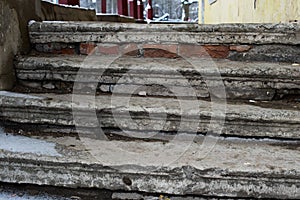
x=21 y=194
x=75 y=198
x=142 y=93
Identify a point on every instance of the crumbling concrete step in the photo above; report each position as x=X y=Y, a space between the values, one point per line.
x=158 y=76
x=254 y=42
x=146 y=114
x=233 y=168
x=71 y=32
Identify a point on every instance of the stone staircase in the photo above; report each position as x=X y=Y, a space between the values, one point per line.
x=181 y=110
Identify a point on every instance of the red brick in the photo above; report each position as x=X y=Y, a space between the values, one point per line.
x=167 y=47
x=87 y=48
x=240 y=48
x=217 y=51
x=66 y=51
x=159 y=53
x=129 y=49
x=108 y=49
x=187 y=50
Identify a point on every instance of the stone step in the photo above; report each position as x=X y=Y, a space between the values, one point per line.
x=232 y=168
x=52 y=113
x=158 y=76
x=256 y=42
x=69 y=32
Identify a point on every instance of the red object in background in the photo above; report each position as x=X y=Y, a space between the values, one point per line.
x=149 y=10
x=140 y=9
x=103 y=6
x=133 y=8
x=123 y=7
x=69 y=2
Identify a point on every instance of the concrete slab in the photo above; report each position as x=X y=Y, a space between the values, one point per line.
x=233 y=168
x=159 y=76
x=150 y=114
x=71 y=32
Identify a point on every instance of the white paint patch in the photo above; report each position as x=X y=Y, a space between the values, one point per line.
x=19 y=95
x=21 y=144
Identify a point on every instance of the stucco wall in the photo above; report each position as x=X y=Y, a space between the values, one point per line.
x=14 y=37
x=249 y=11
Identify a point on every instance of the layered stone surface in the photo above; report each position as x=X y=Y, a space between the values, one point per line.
x=233 y=168
x=253 y=42
x=107 y=89
x=146 y=114
x=70 y=32
x=158 y=76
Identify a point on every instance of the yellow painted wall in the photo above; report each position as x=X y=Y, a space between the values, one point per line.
x=243 y=11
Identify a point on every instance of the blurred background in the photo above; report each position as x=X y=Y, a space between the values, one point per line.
x=163 y=10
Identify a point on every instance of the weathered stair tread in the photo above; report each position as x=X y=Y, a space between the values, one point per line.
x=71 y=32
x=226 y=67
x=233 y=168
x=169 y=115
x=243 y=80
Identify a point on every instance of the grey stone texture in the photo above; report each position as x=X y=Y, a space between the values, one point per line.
x=166 y=115
x=156 y=144
x=159 y=76
x=273 y=53
x=233 y=168
x=71 y=32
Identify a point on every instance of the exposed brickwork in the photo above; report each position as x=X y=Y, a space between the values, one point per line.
x=172 y=48
x=87 y=48
x=187 y=50
x=130 y=49
x=67 y=51
x=108 y=49
x=240 y=48
x=217 y=51
x=159 y=53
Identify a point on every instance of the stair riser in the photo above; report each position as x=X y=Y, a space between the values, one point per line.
x=141 y=122
x=268 y=42
x=97 y=176
x=268 y=53
x=232 y=92
x=118 y=33
x=158 y=77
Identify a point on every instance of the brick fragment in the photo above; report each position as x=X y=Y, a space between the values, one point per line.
x=217 y=51
x=159 y=53
x=130 y=50
x=87 y=48
x=187 y=50
x=167 y=47
x=66 y=51
x=108 y=49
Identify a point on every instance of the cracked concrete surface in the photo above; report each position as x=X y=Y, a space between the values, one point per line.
x=166 y=115
x=159 y=77
x=70 y=32
x=233 y=168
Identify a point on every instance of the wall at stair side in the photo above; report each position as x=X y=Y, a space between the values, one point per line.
x=14 y=38
x=14 y=35
x=249 y=11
